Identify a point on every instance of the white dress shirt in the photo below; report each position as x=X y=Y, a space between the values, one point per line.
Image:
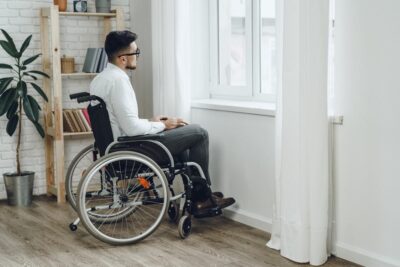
x=114 y=87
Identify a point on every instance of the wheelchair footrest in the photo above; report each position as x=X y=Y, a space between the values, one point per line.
x=208 y=213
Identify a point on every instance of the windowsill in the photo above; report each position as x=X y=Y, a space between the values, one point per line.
x=248 y=107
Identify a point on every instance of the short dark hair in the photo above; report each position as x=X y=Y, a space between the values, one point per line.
x=116 y=41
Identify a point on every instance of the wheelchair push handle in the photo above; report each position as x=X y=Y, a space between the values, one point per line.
x=78 y=95
x=89 y=98
x=85 y=97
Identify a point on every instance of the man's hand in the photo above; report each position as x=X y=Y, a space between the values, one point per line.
x=172 y=123
x=159 y=118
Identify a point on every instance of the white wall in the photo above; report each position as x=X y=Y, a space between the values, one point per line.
x=20 y=18
x=242 y=162
x=367 y=148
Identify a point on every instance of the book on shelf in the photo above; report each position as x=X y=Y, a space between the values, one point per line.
x=89 y=60
x=74 y=121
x=105 y=60
x=71 y=117
x=79 y=121
x=86 y=114
x=85 y=122
x=102 y=61
x=67 y=124
x=95 y=60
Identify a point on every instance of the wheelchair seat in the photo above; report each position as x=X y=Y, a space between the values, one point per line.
x=140 y=137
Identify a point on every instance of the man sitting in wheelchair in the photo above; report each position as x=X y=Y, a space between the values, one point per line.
x=114 y=87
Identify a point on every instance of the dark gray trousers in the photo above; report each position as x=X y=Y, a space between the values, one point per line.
x=192 y=138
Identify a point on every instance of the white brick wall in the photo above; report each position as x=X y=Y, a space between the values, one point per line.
x=20 y=18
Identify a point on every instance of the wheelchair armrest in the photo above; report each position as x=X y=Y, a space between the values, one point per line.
x=140 y=137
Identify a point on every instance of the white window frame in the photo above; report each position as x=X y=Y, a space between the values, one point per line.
x=252 y=91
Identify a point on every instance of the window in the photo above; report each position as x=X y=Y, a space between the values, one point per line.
x=243 y=49
x=234 y=34
x=268 y=48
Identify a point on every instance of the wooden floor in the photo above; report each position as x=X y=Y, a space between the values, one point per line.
x=39 y=236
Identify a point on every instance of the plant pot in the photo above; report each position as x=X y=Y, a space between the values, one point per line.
x=103 y=6
x=62 y=5
x=19 y=188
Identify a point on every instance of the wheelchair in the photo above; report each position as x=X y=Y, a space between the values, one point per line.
x=123 y=189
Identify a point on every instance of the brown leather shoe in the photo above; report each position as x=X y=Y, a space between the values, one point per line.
x=205 y=205
x=225 y=202
x=216 y=201
x=218 y=194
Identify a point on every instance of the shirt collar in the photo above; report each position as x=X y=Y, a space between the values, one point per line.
x=117 y=69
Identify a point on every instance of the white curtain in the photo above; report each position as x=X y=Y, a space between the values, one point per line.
x=301 y=210
x=171 y=35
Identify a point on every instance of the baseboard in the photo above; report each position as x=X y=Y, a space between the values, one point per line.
x=248 y=218
x=344 y=251
x=363 y=257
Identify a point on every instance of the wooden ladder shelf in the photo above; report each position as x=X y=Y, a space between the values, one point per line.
x=51 y=60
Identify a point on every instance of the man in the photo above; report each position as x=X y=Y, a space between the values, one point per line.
x=114 y=87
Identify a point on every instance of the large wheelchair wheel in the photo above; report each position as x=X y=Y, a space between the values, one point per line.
x=76 y=170
x=135 y=205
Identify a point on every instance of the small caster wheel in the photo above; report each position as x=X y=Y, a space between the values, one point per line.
x=173 y=211
x=73 y=227
x=184 y=227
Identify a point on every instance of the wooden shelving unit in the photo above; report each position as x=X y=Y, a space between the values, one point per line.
x=51 y=58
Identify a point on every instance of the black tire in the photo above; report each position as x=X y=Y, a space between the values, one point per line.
x=185 y=227
x=173 y=211
x=73 y=227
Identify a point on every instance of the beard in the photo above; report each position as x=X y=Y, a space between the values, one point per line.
x=130 y=67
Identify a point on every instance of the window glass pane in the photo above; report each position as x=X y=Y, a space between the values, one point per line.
x=268 y=47
x=232 y=42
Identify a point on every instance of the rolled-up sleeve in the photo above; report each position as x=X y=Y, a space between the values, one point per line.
x=124 y=104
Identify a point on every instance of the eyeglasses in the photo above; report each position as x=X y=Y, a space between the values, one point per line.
x=137 y=53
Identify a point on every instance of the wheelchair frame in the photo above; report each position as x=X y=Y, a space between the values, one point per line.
x=89 y=216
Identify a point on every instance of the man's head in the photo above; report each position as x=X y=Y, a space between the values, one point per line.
x=121 y=49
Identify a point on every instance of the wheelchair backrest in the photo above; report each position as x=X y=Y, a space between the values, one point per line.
x=101 y=126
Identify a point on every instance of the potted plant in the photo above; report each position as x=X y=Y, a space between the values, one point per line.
x=14 y=98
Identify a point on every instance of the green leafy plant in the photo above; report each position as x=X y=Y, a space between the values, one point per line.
x=14 y=90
